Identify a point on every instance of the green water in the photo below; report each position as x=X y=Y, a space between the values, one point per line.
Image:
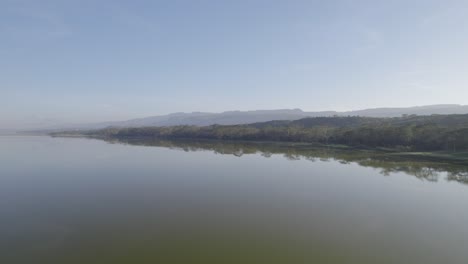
x=71 y=200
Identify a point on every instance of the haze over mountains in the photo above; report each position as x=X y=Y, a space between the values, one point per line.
x=246 y=117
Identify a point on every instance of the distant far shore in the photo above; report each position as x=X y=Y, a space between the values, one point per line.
x=435 y=137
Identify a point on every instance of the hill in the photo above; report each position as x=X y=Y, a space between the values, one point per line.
x=248 y=117
x=408 y=133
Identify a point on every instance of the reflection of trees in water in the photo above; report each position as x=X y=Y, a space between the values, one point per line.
x=292 y=156
x=386 y=163
x=427 y=173
x=419 y=169
x=460 y=176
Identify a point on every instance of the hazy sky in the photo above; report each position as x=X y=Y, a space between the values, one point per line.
x=80 y=61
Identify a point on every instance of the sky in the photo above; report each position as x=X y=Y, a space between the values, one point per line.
x=64 y=61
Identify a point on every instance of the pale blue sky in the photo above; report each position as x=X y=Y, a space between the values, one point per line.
x=88 y=60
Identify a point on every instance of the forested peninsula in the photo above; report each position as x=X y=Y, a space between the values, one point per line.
x=406 y=133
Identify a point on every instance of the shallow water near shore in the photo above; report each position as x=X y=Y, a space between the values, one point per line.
x=75 y=200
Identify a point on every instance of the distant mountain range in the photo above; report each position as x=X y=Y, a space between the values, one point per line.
x=247 y=117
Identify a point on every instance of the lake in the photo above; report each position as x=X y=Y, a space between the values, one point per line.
x=76 y=200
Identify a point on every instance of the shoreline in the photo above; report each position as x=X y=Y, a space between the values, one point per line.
x=457 y=158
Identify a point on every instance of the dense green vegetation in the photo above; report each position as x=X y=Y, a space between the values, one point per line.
x=407 y=133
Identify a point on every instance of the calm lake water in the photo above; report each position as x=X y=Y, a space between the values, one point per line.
x=71 y=200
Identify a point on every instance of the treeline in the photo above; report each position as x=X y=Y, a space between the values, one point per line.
x=422 y=133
